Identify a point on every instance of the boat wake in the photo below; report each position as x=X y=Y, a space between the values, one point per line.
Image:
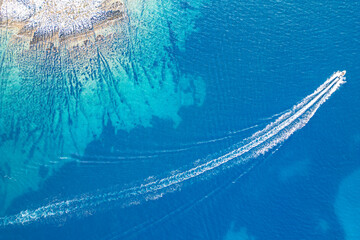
x=257 y=144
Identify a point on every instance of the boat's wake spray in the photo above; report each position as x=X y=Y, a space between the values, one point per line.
x=257 y=144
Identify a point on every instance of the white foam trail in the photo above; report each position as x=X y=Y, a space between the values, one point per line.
x=259 y=143
x=147 y=155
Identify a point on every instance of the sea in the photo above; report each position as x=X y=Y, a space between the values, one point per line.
x=202 y=119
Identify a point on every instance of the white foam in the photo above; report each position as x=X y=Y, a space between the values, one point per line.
x=259 y=143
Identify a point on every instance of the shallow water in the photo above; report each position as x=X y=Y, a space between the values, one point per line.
x=197 y=78
x=347 y=205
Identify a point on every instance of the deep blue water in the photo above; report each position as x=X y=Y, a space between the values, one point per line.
x=257 y=59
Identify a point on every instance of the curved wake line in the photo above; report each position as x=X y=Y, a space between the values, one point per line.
x=257 y=144
x=146 y=155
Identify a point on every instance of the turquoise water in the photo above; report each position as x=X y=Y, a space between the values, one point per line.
x=184 y=120
x=56 y=99
x=347 y=205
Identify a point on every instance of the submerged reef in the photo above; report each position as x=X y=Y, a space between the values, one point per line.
x=347 y=205
x=68 y=68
